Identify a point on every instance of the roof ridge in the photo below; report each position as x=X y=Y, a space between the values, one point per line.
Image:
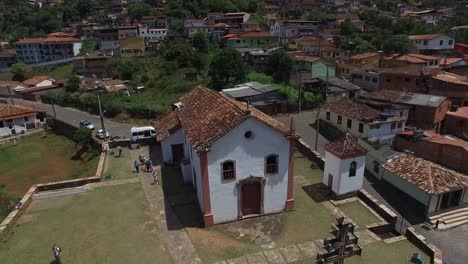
x=429 y=174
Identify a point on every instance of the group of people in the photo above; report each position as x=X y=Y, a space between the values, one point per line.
x=148 y=167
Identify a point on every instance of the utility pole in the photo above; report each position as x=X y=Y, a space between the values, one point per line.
x=11 y=96
x=102 y=119
x=53 y=110
x=300 y=92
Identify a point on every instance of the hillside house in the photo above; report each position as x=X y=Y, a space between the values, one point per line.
x=15 y=119
x=450 y=85
x=239 y=160
x=39 y=50
x=456 y=122
x=287 y=30
x=432 y=42
x=362 y=121
x=360 y=61
x=426 y=111
x=251 y=39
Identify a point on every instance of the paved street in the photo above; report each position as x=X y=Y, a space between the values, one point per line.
x=73 y=116
x=303 y=121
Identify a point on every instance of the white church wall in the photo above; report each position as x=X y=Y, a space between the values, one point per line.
x=249 y=155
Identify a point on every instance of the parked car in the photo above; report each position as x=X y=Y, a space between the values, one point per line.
x=87 y=124
x=142 y=132
x=115 y=138
x=100 y=134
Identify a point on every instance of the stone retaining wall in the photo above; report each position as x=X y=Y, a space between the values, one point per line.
x=11 y=219
x=310 y=153
x=430 y=249
x=387 y=214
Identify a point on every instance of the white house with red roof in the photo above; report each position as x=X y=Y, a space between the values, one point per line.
x=239 y=160
x=432 y=42
x=345 y=163
x=16 y=119
x=39 y=50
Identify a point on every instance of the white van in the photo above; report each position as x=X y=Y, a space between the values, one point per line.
x=142 y=132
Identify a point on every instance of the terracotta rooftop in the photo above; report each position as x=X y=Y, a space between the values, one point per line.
x=346 y=147
x=451 y=78
x=431 y=136
x=408 y=70
x=461 y=112
x=8 y=84
x=207 y=115
x=47 y=40
x=449 y=61
x=400 y=97
x=254 y=34
x=306 y=58
x=8 y=111
x=33 y=81
x=424 y=37
x=428 y=176
x=364 y=55
x=352 y=109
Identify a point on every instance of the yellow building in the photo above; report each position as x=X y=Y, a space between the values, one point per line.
x=132 y=47
x=370 y=60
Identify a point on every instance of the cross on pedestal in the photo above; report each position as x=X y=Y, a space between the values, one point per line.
x=343 y=244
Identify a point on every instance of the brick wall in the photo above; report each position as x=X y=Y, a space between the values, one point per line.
x=456 y=125
x=453 y=157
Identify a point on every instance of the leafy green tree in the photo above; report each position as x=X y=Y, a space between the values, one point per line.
x=19 y=71
x=82 y=136
x=347 y=28
x=73 y=84
x=85 y=7
x=280 y=66
x=136 y=11
x=226 y=67
x=199 y=61
x=179 y=51
x=88 y=45
x=398 y=44
x=200 y=42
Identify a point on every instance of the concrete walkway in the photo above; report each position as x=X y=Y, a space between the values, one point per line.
x=294 y=253
x=176 y=241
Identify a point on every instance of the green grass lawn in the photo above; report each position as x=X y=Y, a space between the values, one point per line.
x=106 y=225
x=119 y=167
x=359 y=214
x=6 y=76
x=399 y=252
x=61 y=72
x=37 y=159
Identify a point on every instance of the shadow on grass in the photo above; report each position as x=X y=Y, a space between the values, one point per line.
x=319 y=192
x=78 y=154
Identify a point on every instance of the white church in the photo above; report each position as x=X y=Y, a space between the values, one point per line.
x=239 y=160
x=345 y=163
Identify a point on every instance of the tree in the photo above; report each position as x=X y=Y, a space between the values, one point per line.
x=347 y=28
x=85 y=7
x=82 y=136
x=280 y=66
x=19 y=71
x=73 y=84
x=398 y=44
x=136 y=11
x=200 y=42
x=227 y=66
x=89 y=45
x=180 y=52
x=199 y=61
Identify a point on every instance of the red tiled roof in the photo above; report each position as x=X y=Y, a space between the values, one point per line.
x=250 y=22
x=449 y=61
x=424 y=37
x=8 y=111
x=346 y=147
x=405 y=58
x=461 y=112
x=62 y=34
x=451 y=78
x=194 y=20
x=47 y=40
x=460 y=27
x=364 y=55
x=253 y=34
x=33 y=81
x=428 y=176
x=207 y=116
x=350 y=108
x=8 y=84
x=306 y=58
x=407 y=70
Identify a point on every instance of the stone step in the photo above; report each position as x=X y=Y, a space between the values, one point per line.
x=438 y=216
x=452 y=225
x=455 y=219
x=452 y=216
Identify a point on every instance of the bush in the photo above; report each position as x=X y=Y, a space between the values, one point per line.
x=82 y=136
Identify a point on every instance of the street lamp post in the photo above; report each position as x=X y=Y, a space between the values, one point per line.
x=101 y=117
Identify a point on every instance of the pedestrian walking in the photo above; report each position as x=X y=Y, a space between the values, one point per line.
x=147 y=165
x=137 y=166
x=155 y=178
x=141 y=159
x=120 y=151
x=56 y=250
x=151 y=165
